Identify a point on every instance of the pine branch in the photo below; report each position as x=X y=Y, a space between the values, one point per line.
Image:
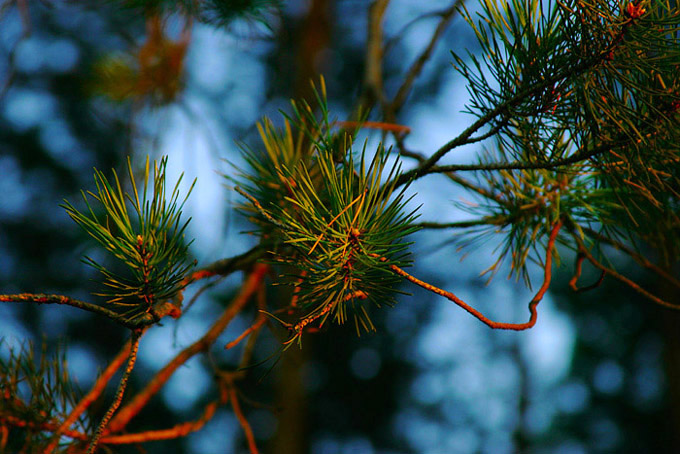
x=160 y=311
x=132 y=358
x=139 y=401
x=547 y=276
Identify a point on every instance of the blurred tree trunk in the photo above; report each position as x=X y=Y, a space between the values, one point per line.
x=291 y=399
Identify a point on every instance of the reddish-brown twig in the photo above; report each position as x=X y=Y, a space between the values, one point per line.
x=160 y=310
x=547 y=276
x=177 y=431
x=91 y=396
x=134 y=347
x=641 y=260
x=247 y=430
x=577 y=274
x=401 y=129
x=141 y=399
x=584 y=250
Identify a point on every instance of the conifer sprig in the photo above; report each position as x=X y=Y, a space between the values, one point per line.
x=339 y=224
x=145 y=234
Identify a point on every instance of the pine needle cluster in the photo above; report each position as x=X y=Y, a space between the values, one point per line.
x=144 y=234
x=337 y=222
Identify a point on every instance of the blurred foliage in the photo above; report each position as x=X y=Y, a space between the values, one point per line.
x=35 y=388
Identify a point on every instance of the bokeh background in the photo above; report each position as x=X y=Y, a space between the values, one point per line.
x=600 y=373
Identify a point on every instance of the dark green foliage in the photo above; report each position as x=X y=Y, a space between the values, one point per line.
x=149 y=241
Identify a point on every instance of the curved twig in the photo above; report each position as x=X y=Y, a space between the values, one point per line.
x=577 y=273
x=547 y=276
x=584 y=250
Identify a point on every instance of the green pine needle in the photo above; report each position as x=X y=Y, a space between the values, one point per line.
x=144 y=234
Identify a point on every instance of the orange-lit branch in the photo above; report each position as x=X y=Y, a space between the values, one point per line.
x=259 y=321
x=247 y=430
x=177 y=431
x=547 y=276
x=203 y=344
x=132 y=358
x=391 y=127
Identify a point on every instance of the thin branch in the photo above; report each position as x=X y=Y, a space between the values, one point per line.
x=457 y=225
x=373 y=81
x=547 y=276
x=417 y=67
x=582 y=155
x=464 y=138
x=584 y=250
x=203 y=344
x=91 y=396
x=227 y=266
x=136 y=335
x=233 y=397
x=390 y=43
x=177 y=431
x=641 y=260
x=40 y=298
x=44 y=426
x=259 y=321
x=573 y=282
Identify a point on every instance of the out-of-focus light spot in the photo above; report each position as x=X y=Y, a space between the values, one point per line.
x=81 y=362
x=325 y=445
x=570 y=447
x=57 y=139
x=14 y=200
x=605 y=435
x=550 y=344
x=188 y=384
x=572 y=397
x=206 y=70
x=365 y=363
x=357 y=445
x=428 y=388
x=420 y=433
x=25 y=109
x=467 y=380
x=491 y=412
x=498 y=443
x=647 y=385
x=61 y=55
x=217 y=437
x=461 y=441
x=538 y=418
x=608 y=377
x=29 y=54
